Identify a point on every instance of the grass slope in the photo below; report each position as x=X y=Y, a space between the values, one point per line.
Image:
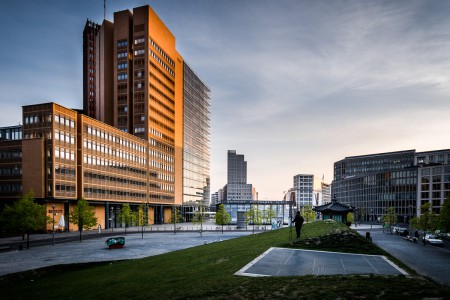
x=206 y=272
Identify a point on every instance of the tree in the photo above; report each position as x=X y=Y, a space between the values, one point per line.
x=308 y=213
x=222 y=216
x=269 y=214
x=175 y=216
x=444 y=215
x=350 y=218
x=142 y=217
x=24 y=216
x=199 y=218
x=127 y=216
x=390 y=217
x=427 y=220
x=83 y=216
x=254 y=215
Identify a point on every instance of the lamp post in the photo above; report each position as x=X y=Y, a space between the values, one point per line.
x=53 y=223
x=410 y=218
x=111 y=218
x=371 y=216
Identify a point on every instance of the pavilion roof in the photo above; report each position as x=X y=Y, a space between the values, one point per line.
x=333 y=206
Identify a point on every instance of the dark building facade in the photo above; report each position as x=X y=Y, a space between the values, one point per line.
x=372 y=183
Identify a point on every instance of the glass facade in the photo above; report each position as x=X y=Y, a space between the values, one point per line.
x=196 y=139
x=372 y=183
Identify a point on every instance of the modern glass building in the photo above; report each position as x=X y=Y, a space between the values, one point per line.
x=196 y=142
x=372 y=183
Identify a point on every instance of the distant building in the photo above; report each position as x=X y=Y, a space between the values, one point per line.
x=237 y=187
x=308 y=190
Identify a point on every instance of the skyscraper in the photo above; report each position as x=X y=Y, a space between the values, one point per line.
x=237 y=187
x=143 y=87
x=237 y=168
x=196 y=142
x=89 y=67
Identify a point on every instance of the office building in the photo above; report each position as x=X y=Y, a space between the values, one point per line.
x=433 y=185
x=196 y=142
x=89 y=67
x=237 y=187
x=404 y=180
x=308 y=190
x=10 y=163
x=144 y=87
x=146 y=115
x=372 y=183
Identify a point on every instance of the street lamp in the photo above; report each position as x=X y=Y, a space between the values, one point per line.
x=53 y=223
x=410 y=218
x=111 y=216
x=371 y=216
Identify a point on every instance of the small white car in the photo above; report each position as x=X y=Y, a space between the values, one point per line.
x=433 y=240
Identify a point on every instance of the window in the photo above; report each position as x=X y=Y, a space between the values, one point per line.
x=139 y=52
x=122 y=66
x=139 y=41
x=122 y=43
x=122 y=76
x=122 y=54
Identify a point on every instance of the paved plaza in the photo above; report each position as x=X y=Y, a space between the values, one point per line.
x=95 y=250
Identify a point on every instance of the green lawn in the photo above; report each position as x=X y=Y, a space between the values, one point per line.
x=206 y=272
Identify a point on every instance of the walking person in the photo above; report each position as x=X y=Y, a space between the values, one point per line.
x=298 y=220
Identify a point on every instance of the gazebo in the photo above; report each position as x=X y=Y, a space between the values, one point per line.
x=334 y=210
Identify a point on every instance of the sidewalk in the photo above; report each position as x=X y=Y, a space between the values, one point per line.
x=95 y=249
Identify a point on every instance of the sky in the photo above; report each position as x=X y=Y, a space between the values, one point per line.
x=295 y=85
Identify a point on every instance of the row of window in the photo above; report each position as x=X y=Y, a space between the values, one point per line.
x=139 y=41
x=435 y=170
x=10 y=188
x=121 y=66
x=62 y=136
x=65 y=121
x=122 y=76
x=10 y=154
x=162 y=63
x=163 y=54
x=101 y=161
x=97 y=191
x=122 y=54
x=64 y=153
x=107 y=178
x=10 y=171
x=112 y=138
x=122 y=43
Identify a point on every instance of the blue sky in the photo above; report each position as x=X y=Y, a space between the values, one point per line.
x=295 y=85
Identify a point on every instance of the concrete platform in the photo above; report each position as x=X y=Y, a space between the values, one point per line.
x=297 y=262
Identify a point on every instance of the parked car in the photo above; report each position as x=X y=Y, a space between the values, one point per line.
x=433 y=240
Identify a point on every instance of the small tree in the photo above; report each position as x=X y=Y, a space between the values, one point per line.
x=24 y=217
x=444 y=215
x=390 y=217
x=199 y=218
x=175 y=216
x=141 y=217
x=83 y=216
x=254 y=215
x=350 y=218
x=222 y=216
x=269 y=214
x=127 y=216
x=308 y=213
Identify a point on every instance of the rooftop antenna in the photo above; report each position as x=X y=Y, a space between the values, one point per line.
x=104 y=9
